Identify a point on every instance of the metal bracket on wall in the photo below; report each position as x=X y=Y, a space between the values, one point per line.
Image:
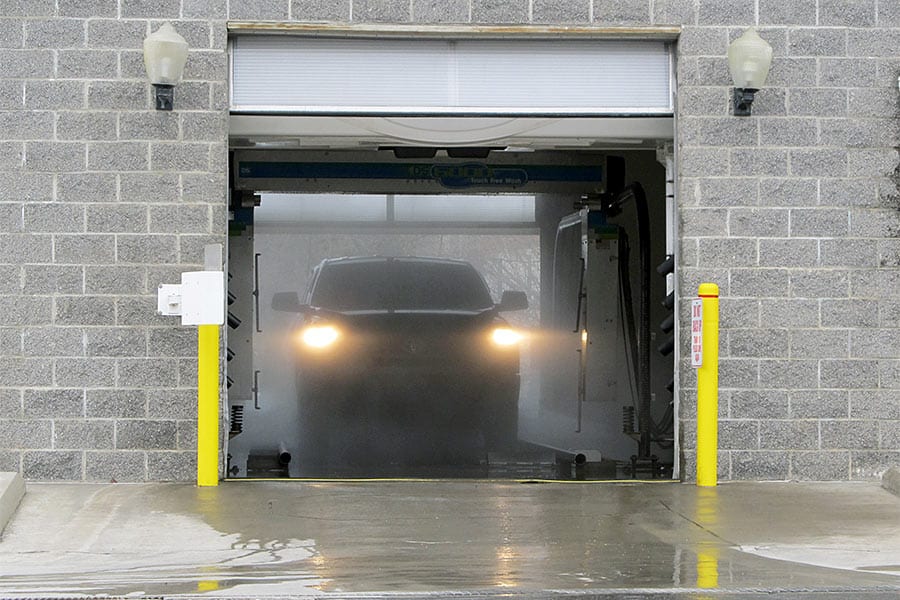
x=255 y=389
x=255 y=292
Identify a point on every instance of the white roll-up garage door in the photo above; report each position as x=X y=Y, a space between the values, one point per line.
x=471 y=77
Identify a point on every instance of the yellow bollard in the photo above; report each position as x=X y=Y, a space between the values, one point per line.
x=708 y=389
x=208 y=405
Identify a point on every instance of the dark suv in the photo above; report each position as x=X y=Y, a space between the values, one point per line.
x=403 y=360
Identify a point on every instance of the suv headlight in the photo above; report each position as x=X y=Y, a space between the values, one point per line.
x=506 y=336
x=319 y=336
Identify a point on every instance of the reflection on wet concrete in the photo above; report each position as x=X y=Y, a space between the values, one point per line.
x=433 y=538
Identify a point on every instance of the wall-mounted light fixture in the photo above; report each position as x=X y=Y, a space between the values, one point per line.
x=165 y=53
x=749 y=59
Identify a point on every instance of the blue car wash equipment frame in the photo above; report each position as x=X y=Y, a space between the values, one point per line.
x=200 y=300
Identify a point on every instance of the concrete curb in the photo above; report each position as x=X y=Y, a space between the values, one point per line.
x=12 y=488
x=891 y=480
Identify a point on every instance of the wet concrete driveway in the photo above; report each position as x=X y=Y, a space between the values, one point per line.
x=460 y=539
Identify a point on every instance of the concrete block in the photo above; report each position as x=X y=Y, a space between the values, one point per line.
x=54 y=218
x=10 y=461
x=727 y=252
x=847 y=13
x=860 y=133
x=739 y=312
x=818 y=404
x=117 y=34
x=172 y=466
x=789 y=374
x=187 y=372
x=206 y=9
x=817 y=102
x=888 y=313
x=891 y=480
x=849 y=313
x=851 y=72
x=194 y=95
x=877 y=343
x=875 y=223
x=704 y=222
x=12 y=33
x=96 y=64
x=53 y=341
x=151 y=9
x=187 y=435
x=875 y=163
x=84 y=310
x=199 y=126
x=54 y=94
x=115 y=467
x=53 y=465
x=819 y=222
x=738 y=373
x=172 y=342
x=86 y=187
x=156 y=125
x=116 y=403
x=759 y=162
x=797 y=12
x=121 y=218
x=179 y=156
x=497 y=11
x=209 y=65
x=180 y=218
x=819 y=163
x=145 y=435
x=718 y=131
x=712 y=70
x=118 y=156
x=788 y=435
x=849 y=374
x=152 y=249
x=54 y=156
x=24 y=310
x=115 y=280
x=758 y=283
x=11 y=341
x=259 y=10
x=383 y=11
x=790 y=73
x=728 y=192
x=757 y=343
x=26 y=64
x=89 y=8
x=190 y=247
x=55 y=33
x=706 y=41
x=147 y=373
x=83 y=435
x=788 y=192
x=204 y=187
x=423 y=11
x=758 y=222
x=820 y=466
x=789 y=131
x=91 y=126
x=703 y=101
x=12 y=156
x=24 y=125
x=712 y=12
x=872 y=464
x=85 y=372
x=115 y=342
x=674 y=12
x=760 y=465
x=817 y=41
x=889 y=435
x=788 y=253
x=628 y=12
x=820 y=283
x=820 y=343
x=12 y=490
x=117 y=95
x=25 y=434
x=848 y=253
x=849 y=435
x=172 y=404
x=149 y=187
x=27 y=248
x=738 y=435
x=10 y=404
x=11 y=217
x=872 y=103
x=771 y=104
x=83 y=249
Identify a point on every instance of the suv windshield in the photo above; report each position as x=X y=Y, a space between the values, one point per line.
x=400 y=285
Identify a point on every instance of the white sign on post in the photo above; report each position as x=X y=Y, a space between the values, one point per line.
x=697 y=333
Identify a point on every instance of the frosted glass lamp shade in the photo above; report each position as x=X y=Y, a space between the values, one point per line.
x=165 y=53
x=749 y=59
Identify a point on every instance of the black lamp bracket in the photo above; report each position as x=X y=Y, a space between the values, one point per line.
x=164 y=96
x=743 y=99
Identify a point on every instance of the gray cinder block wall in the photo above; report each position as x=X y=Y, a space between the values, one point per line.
x=793 y=212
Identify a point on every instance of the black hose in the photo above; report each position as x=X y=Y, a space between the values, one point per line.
x=628 y=302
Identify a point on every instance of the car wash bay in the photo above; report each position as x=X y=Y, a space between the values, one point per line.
x=534 y=204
